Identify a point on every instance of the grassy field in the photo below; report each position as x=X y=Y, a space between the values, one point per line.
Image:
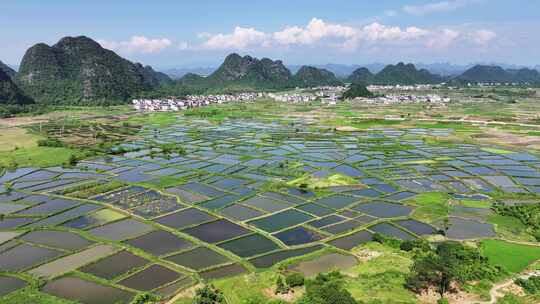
x=30 y=295
x=16 y=138
x=510 y=227
x=36 y=157
x=511 y=256
x=381 y=279
x=431 y=206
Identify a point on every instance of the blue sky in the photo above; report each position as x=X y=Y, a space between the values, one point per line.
x=170 y=33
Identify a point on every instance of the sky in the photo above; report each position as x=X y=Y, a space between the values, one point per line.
x=185 y=33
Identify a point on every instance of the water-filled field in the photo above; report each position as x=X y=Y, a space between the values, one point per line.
x=239 y=196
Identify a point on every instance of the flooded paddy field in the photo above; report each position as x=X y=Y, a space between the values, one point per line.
x=240 y=196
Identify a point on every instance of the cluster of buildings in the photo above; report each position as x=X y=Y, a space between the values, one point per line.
x=292 y=98
x=191 y=101
x=328 y=94
x=416 y=87
x=403 y=99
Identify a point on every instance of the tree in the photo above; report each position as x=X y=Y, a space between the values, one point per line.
x=295 y=280
x=357 y=90
x=450 y=262
x=431 y=270
x=209 y=295
x=281 y=288
x=327 y=289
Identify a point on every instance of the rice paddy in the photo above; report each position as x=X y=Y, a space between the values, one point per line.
x=245 y=195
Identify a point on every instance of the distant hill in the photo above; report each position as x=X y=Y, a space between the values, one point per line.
x=8 y=70
x=250 y=72
x=309 y=76
x=77 y=70
x=405 y=74
x=361 y=75
x=490 y=73
x=10 y=94
x=191 y=79
x=340 y=70
x=177 y=73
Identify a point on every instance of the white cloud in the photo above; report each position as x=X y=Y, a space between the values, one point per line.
x=315 y=31
x=240 y=38
x=379 y=32
x=137 y=44
x=436 y=7
x=183 y=46
x=446 y=38
x=482 y=37
x=318 y=33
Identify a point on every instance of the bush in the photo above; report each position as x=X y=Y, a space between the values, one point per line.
x=530 y=285
x=327 y=289
x=410 y=245
x=73 y=160
x=209 y=295
x=145 y=298
x=295 y=280
x=50 y=142
x=443 y=301
x=281 y=288
x=385 y=240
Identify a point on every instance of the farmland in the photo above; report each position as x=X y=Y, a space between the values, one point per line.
x=178 y=200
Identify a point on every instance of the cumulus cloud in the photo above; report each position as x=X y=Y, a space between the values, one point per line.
x=319 y=33
x=446 y=38
x=137 y=44
x=437 y=7
x=240 y=39
x=482 y=37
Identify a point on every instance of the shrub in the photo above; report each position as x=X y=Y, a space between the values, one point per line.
x=50 y=142
x=281 y=288
x=443 y=301
x=295 y=280
x=530 y=285
x=73 y=160
x=209 y=295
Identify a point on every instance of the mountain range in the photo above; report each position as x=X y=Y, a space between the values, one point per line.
x=7 y=69
x=79 y=71
x=10 y=94
x=486 y=73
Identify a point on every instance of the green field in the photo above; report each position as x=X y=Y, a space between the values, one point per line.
x=511 y=256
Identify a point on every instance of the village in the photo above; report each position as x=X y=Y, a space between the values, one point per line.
x=328 y=95
x=391 y=99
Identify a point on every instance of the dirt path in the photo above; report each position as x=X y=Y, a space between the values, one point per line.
x=496 y=291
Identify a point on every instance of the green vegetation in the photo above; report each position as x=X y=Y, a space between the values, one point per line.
x=10 y=94
x=309 y=181
x=327 y=289
x=406 y=74
x=39 y=157
x=512 y=257
x=360 y=75
x=356 y=90
x=31 y=295
x=527 y=214
x=209 y=295
x=530 y=285
x=431 y=206
x=450 y=262
x=309 y=76
x=52 y=75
